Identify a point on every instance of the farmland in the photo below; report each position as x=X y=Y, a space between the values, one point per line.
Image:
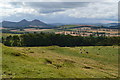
x=74 y=30
x=87 y=30
x=60 y=62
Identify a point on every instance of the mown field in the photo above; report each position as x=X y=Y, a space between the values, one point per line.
x=60 y=62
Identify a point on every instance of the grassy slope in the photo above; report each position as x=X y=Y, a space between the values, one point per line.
x=60 y=62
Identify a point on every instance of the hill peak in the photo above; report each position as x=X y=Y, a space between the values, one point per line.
x=36 y=20
x=24 y=20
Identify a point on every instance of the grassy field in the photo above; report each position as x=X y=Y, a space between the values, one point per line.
x=60 y=62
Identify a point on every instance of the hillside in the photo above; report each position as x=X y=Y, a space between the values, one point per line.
x=24 y=23
x=60 y=62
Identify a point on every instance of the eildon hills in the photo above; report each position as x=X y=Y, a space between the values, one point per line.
x=24 y=23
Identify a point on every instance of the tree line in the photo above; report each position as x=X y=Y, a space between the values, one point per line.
x=49 y=39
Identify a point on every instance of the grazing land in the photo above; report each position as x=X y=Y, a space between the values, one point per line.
x=60 y=62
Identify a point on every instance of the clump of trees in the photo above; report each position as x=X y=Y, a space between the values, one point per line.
x=49 y=39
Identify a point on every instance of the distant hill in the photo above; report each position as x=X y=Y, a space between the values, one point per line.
x=24 y=23
x=57 y=24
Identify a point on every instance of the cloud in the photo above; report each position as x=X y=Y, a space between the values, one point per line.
x=56 y=4
x=60 y=1
x=61 y=11
x=96 y=10
x=49 y=7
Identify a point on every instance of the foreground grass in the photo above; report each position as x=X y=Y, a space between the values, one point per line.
x=60 y=62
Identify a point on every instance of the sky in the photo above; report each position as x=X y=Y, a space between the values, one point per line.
x=60 y=11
